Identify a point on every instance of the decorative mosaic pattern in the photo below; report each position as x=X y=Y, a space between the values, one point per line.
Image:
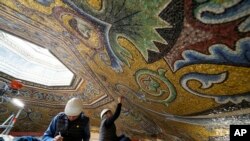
x=175 y=61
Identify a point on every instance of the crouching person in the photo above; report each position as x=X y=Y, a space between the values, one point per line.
x=107 y=127
x=70 y=125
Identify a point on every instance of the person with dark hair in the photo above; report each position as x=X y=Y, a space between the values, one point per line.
x=70 y=125
x=107 y=127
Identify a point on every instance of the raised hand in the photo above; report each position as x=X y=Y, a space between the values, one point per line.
x=58 y=138
x=120 y=99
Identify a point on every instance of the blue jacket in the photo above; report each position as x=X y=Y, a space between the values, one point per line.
x=70 y=130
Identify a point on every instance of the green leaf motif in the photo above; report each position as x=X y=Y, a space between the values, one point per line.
x=135 y=20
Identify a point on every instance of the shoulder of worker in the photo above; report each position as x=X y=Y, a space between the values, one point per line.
x=84 y=117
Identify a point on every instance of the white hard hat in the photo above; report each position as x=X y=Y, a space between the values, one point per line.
x=104 y=111
x=73 y=107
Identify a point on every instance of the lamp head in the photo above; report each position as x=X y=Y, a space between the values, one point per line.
x=17 y=102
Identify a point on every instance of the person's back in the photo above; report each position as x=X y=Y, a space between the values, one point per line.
x=107 y=127
x=107 y=132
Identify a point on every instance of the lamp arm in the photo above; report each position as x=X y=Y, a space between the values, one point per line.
x=10 y=117
x=13 y=121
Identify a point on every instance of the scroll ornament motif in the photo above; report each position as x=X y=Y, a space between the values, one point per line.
x=154 y=85
x=217 y=12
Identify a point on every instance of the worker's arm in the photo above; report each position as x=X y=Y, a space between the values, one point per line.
x=112 y=119
x=50 y=132
x=87 y=131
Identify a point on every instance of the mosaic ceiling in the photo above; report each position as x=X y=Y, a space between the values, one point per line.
x=182 y=65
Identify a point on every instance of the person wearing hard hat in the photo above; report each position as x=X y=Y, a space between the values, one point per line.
x=70 y=125
x=107 y=127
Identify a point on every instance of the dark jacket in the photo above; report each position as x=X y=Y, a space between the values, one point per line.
x=108 y=128
x=70 y=130
x=25 y=138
